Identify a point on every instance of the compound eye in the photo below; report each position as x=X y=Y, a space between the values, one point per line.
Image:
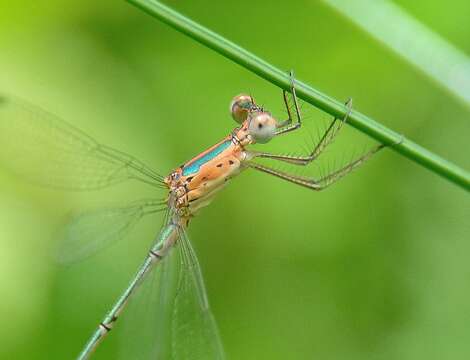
x=262 y=127
x=240 y=107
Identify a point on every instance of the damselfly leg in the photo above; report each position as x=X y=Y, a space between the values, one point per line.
x=327 y=138
x=287 y=125
x=323 y=182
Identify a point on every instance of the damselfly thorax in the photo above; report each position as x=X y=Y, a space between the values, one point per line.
x=195 y=183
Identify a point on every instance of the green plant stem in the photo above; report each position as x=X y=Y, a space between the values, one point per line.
x=280 y=78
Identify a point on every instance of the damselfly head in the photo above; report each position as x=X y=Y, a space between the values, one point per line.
x=241 y=106
x=261 y=126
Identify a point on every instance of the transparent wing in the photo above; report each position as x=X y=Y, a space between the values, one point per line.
x=146 y=328
x=46 y=150
x=170 y=316
x=194 y=330
x=92 y=231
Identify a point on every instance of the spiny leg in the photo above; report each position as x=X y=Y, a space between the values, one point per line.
x=325 y=140
x=286 y=125
x=323 y=182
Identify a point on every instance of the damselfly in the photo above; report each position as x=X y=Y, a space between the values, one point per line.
x=28 y=133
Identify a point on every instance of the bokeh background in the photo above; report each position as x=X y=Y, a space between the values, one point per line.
x=376 y=267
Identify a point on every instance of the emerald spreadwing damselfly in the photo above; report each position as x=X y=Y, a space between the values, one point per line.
x=27 y=136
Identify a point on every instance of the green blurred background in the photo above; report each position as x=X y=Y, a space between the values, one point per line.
x=376 y=267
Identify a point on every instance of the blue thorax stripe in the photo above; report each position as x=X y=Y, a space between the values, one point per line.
x=195 y=166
